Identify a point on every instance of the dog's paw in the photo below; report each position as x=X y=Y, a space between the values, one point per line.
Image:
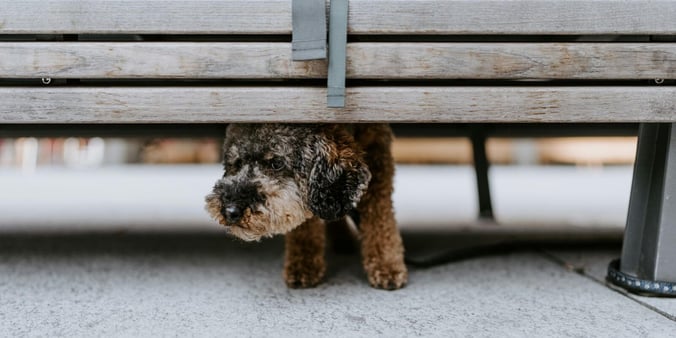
x=388 y=276
x=303 y=275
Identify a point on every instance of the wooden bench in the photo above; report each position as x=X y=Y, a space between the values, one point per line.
x=414 y=61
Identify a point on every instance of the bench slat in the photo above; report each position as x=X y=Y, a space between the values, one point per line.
x=145 y=17
x=365 y=17
x=365 y=61
x=308 y=104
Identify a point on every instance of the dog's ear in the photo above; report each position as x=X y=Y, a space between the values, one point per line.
x=339 y=176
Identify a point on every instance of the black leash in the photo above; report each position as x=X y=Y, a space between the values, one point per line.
x=465 y=253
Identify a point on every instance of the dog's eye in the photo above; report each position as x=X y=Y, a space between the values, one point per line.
x=236 y=165
x=277 y=164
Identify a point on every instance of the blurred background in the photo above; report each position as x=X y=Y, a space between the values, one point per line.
x=126 y=184
x=29 y=153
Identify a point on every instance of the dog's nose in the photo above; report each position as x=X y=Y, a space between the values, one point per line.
x=232 y=213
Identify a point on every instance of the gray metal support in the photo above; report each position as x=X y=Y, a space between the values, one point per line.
x=309 y=29
x=337 y=53
x=649 y=249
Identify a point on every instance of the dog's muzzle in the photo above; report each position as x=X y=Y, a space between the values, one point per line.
x=238 y=199
x=232 y=213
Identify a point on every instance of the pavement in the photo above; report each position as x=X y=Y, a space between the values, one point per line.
x=121 y=274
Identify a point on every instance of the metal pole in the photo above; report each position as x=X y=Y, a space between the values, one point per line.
x=648 y=261
x=481 y=169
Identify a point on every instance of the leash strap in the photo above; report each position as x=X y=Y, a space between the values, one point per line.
x=337 y=53
x=308 y=40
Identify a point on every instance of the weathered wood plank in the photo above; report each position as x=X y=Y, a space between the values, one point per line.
x=365 y=61
x=364 y=104
x=154 y=60
x=145 y=17
x=365 y=17
x=512 y=61
x=513 y=17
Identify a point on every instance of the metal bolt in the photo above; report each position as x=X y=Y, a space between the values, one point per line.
x=46 y=80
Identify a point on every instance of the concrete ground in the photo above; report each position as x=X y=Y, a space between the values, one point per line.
x=123 y=274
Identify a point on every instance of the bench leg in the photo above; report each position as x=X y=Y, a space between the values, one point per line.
x=481 y=169
x=648 y=261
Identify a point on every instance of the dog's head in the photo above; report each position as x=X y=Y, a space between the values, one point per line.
x=279 y=175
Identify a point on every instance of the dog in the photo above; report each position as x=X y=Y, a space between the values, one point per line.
x=298 y=179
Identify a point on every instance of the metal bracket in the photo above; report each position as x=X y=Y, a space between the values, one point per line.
x=337 y=53
x=308 y=40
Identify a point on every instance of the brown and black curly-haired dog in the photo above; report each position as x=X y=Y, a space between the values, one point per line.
x=293 y=179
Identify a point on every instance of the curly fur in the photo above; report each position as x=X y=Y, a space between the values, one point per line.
x=291 y=178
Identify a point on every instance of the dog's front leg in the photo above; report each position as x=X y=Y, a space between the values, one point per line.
x=382 y=247
x=304 y=264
